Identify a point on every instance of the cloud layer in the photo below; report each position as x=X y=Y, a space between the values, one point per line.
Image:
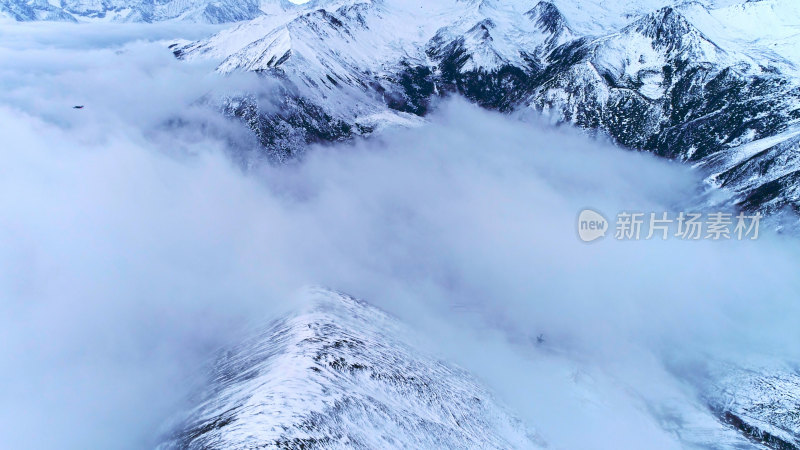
x=133 y=246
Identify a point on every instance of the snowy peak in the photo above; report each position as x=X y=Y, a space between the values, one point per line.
x=480 y=32
x=319 y=52
x=341 y=374
x=665 y=25
x=672 y=33
x=548 y=18
x=659 y=83
x=552 y=24
x=500 y=37
x=649 y=55
x=474 y=50
x=466 y=35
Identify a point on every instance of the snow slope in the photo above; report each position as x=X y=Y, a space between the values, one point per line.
x=340 y=374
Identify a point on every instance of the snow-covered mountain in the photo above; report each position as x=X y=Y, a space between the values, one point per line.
x=200 y=11
x=763 y=404
x=690 y=81
x=340 y=374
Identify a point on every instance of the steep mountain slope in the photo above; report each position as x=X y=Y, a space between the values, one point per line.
x=339 y=374
x=364 y=64
x=762 y=402
x=763 y=174
x=767 y=28
x=658 y=84
x=661 y=85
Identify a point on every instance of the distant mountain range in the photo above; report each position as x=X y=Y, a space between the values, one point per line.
x=694 y=81
x=202 y=11
x=713 y=83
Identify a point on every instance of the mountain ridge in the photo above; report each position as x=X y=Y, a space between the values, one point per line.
x=659 y=84
x=338 y=373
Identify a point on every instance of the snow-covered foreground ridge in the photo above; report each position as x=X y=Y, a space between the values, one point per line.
x=690 y=81
x=338 y=374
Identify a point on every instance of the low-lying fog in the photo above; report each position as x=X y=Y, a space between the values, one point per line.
x=131 y=250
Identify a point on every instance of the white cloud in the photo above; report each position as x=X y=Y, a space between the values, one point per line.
x=131 y=248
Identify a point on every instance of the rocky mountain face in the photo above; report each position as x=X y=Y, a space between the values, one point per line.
x=340 y=374
x=661 y=85
x=760 y=401
x=765 y=407
x=675 y=81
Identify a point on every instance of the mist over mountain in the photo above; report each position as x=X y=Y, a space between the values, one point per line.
x=425 y=164
x=676 y=80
